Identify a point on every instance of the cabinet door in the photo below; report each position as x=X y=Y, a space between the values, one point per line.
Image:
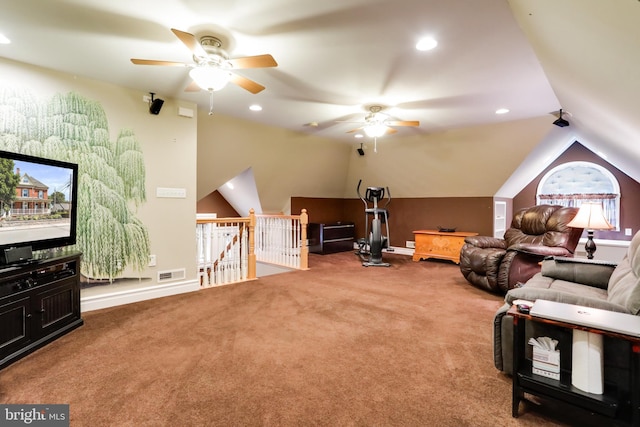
x=15 y=318
x=55 y=307
x=332 y=232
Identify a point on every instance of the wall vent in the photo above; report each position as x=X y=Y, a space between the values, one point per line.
x=169 y=275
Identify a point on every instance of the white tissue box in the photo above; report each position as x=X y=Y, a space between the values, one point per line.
x=546 y=363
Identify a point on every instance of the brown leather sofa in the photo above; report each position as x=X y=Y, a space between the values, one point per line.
x=497 y=265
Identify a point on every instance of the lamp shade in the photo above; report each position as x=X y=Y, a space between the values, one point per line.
x=590 y=217
x=210 y=78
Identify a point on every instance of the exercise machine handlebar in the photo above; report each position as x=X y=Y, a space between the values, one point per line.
x=374 y=195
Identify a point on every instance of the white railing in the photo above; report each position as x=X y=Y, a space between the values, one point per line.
x=227 y=248
x=224 y=250
x=282 y=240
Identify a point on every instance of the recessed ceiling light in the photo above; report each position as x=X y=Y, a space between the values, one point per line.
x=502 y=111
x=358 y=135
x=255 y=107
x=426 y=43
x=4 y=39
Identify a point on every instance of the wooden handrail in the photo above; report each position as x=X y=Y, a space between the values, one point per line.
x=286 y=236
x=288 y=246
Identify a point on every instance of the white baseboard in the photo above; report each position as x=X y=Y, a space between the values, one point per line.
x=136 y=295
x=112 y=299
x=395 y=250
x=401 y=251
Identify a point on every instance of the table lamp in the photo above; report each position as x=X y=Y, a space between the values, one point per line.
x=590 y=217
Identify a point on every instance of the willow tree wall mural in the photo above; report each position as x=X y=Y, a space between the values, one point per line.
x=111 y=182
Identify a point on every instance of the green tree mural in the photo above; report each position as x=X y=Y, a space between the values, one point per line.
x=111 y=178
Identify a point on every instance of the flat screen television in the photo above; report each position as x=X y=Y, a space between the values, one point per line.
x=38 y=205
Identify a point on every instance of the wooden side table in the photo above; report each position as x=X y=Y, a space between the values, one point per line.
x=439 y=244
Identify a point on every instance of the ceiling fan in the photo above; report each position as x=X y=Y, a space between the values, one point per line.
x=377 y=123
x=212 y=68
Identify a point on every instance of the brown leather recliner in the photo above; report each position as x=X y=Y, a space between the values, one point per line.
x=497 y=265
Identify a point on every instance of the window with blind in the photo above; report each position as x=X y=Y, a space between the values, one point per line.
x=573 y=183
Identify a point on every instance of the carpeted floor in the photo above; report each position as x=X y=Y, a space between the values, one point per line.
x=338 y=345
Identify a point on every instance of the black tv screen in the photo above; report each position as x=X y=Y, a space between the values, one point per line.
x=38 y=202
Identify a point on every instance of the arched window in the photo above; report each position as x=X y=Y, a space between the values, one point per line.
x=572 y=183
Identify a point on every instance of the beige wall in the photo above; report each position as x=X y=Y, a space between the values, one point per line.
x=284 y=163
x=469 y=162
x=169 y=147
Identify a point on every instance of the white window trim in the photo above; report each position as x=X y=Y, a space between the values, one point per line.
x=603 y=170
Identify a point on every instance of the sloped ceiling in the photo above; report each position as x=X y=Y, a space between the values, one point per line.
x=335 y=57
x=531 y=56
x=590 y=53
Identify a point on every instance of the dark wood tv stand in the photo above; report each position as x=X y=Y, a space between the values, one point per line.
x=39 y=302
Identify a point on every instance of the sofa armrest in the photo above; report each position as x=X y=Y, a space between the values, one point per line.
x=541 y=250
x=486 y=242
x=595 y=274
x=502 y=342
x=532 y=294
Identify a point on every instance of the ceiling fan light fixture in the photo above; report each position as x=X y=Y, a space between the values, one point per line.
x=210 y=78
x=426 y=43
x=375 y=130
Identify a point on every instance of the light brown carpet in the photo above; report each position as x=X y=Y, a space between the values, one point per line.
x=338 y=345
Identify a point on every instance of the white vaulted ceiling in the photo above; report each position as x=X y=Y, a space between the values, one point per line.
x=334 y=56
x=337 y=56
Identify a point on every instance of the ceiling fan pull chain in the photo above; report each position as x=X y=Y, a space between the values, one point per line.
x=211 y=103
x=375 y=144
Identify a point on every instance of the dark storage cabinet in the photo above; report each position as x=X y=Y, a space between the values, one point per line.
x=39 y=302
x=329 y=238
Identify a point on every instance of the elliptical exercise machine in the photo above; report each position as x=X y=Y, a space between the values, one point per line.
x=370 y=247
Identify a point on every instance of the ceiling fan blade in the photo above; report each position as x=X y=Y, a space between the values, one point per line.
x=402 y=123
x=156 y=62
x=355 y=130
x=349 y=121
x=247 y=84
x=193 y=87
x=259 y=61
x=190 y=42
x=390 y=131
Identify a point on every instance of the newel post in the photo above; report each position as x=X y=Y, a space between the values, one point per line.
x=252 y=245
x=304 y=247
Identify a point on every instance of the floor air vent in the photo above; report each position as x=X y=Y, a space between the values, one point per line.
x=169 y=275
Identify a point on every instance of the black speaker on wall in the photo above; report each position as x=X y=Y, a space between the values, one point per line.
x=561 y=122
x=360 y=150
x=155 y=106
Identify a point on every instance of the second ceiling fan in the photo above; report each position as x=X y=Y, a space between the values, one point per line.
x=212 y=67
x=377 y=123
